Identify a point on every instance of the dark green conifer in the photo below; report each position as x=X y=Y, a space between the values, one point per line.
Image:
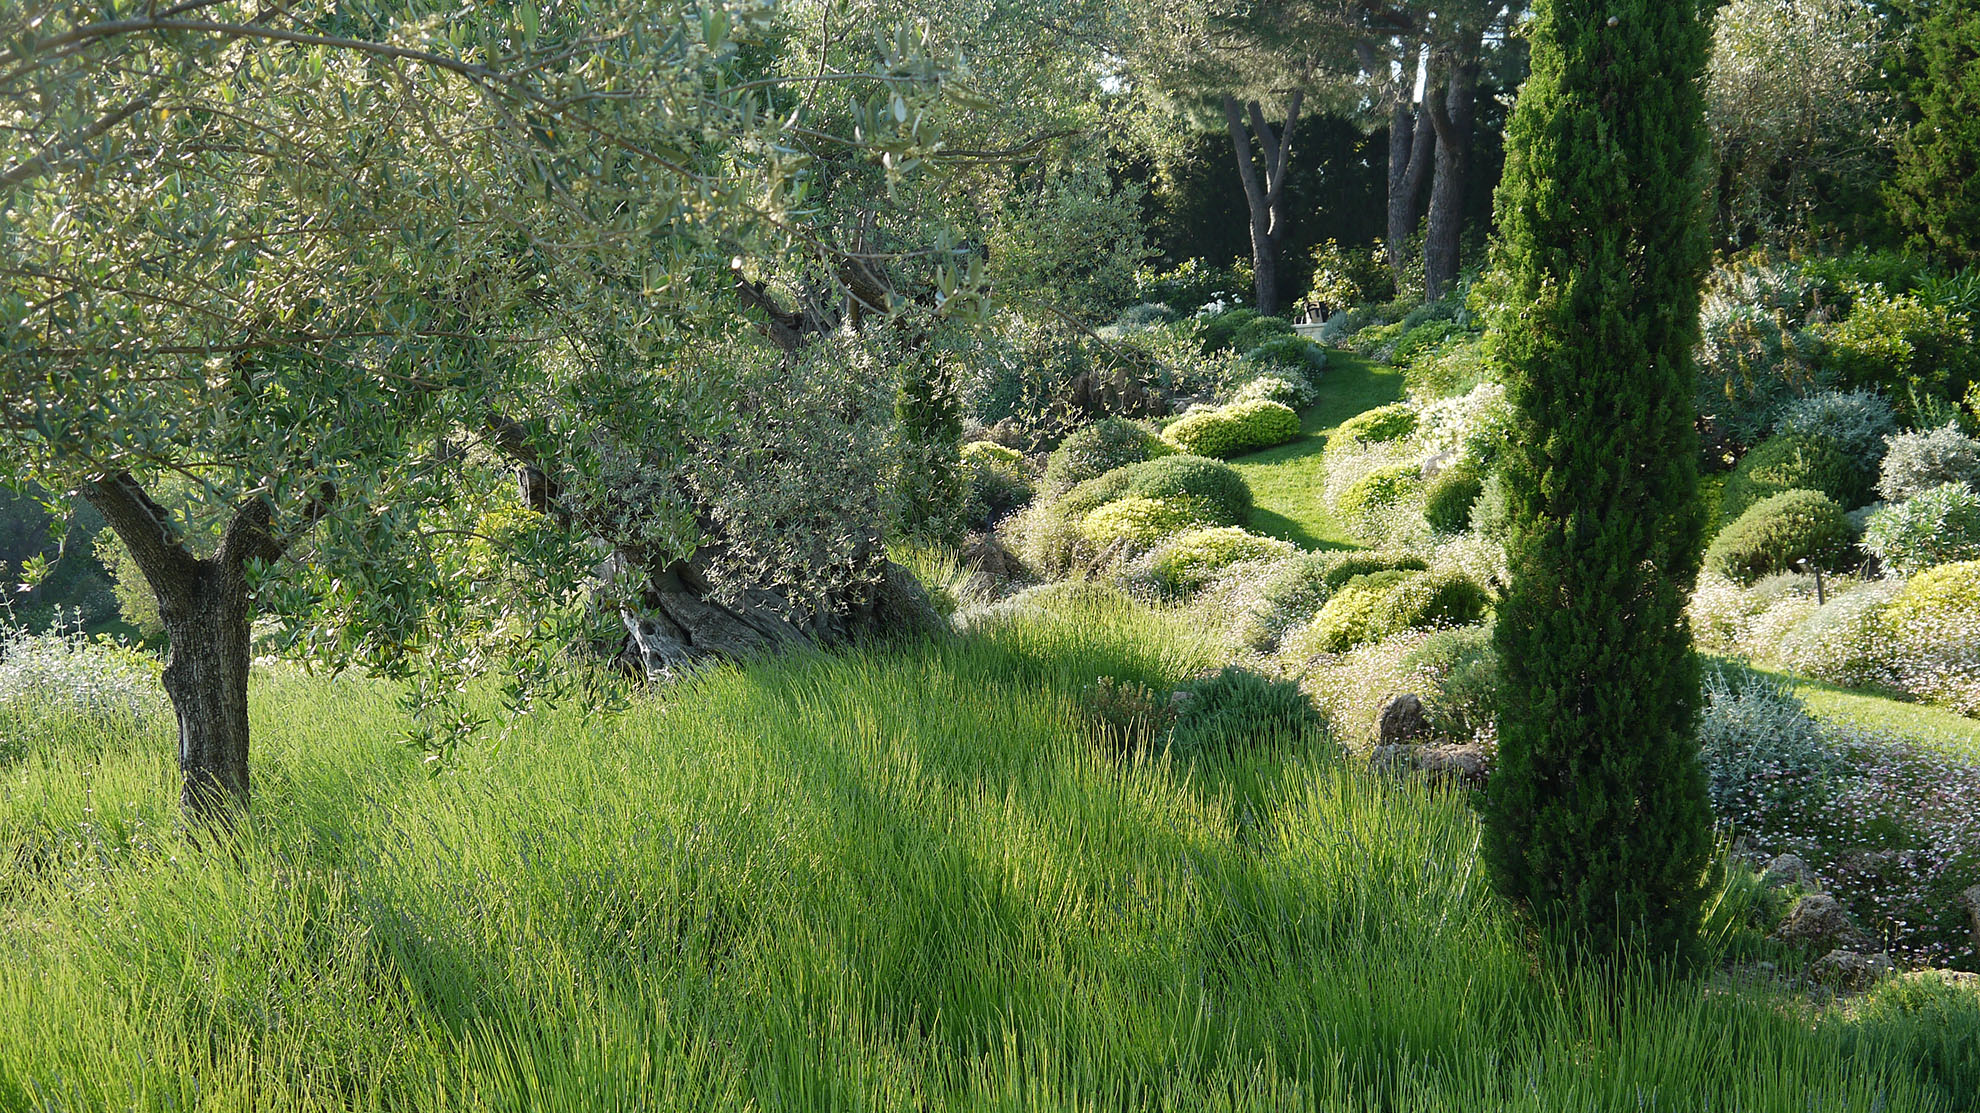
x=1937 y=188
x=1597 y=816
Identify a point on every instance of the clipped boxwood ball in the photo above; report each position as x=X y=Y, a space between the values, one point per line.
x=1795 y=462
x=1187 y=560
x=1945 y=591
x=1139 y=520
x=1383 y=423
x=1234 y=429
x=1447 y=504
x=1353 y=565
x=1776 y=533
x=1097 y=449
x=1217 y=489
x=1379 y=490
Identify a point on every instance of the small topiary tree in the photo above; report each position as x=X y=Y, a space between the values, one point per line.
x=1777 y=532
x=1794 y=462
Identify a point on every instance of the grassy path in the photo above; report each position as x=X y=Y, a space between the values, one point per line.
x=1285 y=481
x=1931 y=726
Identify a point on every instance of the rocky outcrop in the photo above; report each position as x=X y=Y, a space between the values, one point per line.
x=1817 y=924
x=1852 y=971
x=1402 y=721
x=1788 y=870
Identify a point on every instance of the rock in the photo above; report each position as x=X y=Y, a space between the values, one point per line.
x=1818 y=922
x=1789 y=869
x=1851 y=971
x=1873 y=862
x=1971 y=898
x=985 y=555
x=1465 y=765
x=1402 y=720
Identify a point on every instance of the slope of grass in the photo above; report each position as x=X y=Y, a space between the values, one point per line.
x=892 y=880
x=1922 y=723
x=1286 y=481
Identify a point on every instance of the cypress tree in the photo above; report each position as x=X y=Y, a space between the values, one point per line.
x=1937 y=187
x=1597 y=820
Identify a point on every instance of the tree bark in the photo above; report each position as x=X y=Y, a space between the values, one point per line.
x=1264 y=194
x=1452 y=121
x=1410 y=144
x=206 y=607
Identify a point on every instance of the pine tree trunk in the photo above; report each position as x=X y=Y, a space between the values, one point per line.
x=206 y=677
x=1264 y=193
x=1452 y=122
x=1409 y=163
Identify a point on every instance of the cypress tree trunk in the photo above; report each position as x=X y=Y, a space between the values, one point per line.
x=1597 y=820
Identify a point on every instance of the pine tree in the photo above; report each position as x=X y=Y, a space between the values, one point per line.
x=1597 y=820
x=1937 y=187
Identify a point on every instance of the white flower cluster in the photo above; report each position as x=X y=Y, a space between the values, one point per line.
x=66 y=673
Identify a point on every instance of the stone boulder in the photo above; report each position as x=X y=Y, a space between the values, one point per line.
x=1971 y=898
x=1789 y=870
x=1402 y=721
x=1852 y=971
x=1818 y=923
x=1465 y=765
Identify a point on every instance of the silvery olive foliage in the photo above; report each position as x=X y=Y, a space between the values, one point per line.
x=317 y=257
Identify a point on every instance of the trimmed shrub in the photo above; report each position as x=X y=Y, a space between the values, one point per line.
x=1778 y=531
x=1235 y=707
x=1348 y=566
x=1456 y=367
x=1217 y=489
x=1939 y=526
x=1420 y=340
x=1789 y=463
x=1237 y=428
x=1373 y=606
x=994 y=492
x=992 y=454
x=1856 y=420
x=1218 y=331
x=1933 y=633
x=1359 y=612
x=1919 y=461
x=1379 y=490
x=1186 y=561
x=1258 y=330
x=1296 y=352
x=1448 y=502
x=1903 y=345
x=1142 y=521
x=1383 y=423
x=1097 y=449
x=1046 y=539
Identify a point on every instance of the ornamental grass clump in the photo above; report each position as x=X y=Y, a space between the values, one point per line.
x=1235 y=709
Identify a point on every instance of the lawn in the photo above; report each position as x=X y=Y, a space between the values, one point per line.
x=1285 y=481
x=901 y=879
x=1922 y=723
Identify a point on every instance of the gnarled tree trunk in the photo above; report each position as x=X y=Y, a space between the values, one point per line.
x=1264 y=193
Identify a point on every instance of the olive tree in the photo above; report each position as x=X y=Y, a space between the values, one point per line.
x=297 y=255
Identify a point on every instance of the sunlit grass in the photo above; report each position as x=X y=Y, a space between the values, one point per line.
x=1286 y=481
x=907 y=879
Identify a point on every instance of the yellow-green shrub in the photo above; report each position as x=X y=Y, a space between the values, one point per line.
x=1140 y=520
x=1185 y=561
x=1237 y=428
x=1383 y=423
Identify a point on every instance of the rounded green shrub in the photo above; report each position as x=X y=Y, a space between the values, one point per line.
x=1349 y=566
x=1438 y=599
x=1258 y=330
x=1296 y=352
x=1947 y=589
x=1235 y=708
x=1219 y=492
x=1359 y=612
x=1186 y=560
x=1940 y=526
x=1237 y=428
x=1795 y=462
x=1777 y=532
x=1379 y=490
x=1216 y=333
x=1098 y=449
x=1420 y=340
x=1383 y=423
x=992 y=454
x=1448 y=501
x=1857 y=420
x=995 y=491
x=1142 y=521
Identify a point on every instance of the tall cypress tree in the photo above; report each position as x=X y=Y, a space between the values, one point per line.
x=1597 y=820
x=1937 y=187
